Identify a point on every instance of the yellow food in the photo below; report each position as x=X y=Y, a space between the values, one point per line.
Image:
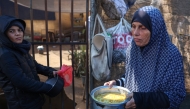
x=110 y=97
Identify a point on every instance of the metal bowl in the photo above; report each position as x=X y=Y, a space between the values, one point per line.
x=104 y=89
x=57 y=84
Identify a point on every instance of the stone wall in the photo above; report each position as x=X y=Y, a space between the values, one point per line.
x=177 y=17
x=177 y=12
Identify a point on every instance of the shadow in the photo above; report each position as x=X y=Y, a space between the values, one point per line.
x=3 y=103
x=176 y=20
x=186 y=103
x=179 y=11
x=56 y=102
x=180 y=8
x=43 y=54
x=59 y=101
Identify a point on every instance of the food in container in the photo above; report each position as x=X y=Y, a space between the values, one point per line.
x=110 y=97
x=114 y=90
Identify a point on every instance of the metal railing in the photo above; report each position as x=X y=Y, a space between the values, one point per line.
x=59 y=43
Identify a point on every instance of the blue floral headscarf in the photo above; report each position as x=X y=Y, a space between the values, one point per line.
x=159 y=66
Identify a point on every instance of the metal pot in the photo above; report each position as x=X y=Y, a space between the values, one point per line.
x=57 y=86
x=104 y=89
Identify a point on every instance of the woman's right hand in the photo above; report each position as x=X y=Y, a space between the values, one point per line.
x=110 y=83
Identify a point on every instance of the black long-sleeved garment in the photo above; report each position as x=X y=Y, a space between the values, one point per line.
x=151 y=100
x=19 y=72
x=147 y=100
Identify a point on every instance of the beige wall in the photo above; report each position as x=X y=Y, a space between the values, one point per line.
x=39 y=26
x=53 y=25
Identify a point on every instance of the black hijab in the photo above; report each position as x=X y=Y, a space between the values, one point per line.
x=143 y=18
x=23 y=47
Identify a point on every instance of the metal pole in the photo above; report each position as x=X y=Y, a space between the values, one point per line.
x=92 y=17
x=60 y=33
x=87 y=60
x=60 y=48
x=0 y=8
x=16 y=8
x=73 y=84
x=32 y=28
x=47 y=37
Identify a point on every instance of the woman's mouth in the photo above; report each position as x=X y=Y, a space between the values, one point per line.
x=18 y=38
x=137 y=40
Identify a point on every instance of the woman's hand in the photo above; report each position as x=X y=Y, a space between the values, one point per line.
x=110 y=83
x=130 y=104
x=55 y=73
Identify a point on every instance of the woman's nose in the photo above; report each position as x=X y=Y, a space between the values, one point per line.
x=17 y=32
x=136 y=32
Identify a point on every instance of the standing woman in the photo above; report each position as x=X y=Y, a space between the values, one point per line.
x=154 y=66
x=18 y=70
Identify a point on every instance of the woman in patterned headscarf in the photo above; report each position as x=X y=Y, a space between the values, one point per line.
x=154 y=66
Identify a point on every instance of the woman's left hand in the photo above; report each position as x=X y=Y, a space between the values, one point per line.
x=55 y=73
x=130 y=104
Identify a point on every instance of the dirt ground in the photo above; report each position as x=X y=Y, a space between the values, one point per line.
x=54 y=59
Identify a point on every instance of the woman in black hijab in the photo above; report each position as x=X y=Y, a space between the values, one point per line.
x=18 y=70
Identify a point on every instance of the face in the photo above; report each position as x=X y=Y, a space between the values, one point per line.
x=140 y=33
x=15 y=34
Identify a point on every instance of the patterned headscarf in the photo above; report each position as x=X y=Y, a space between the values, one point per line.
x=144 y=67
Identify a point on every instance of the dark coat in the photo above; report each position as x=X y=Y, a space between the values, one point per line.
x=19 y=73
